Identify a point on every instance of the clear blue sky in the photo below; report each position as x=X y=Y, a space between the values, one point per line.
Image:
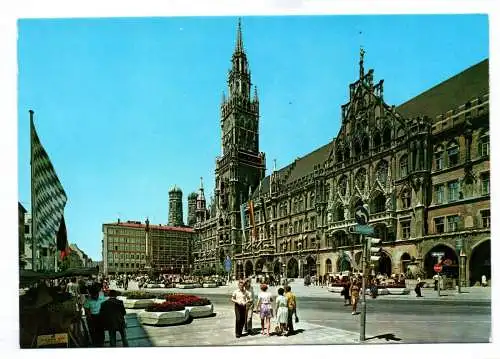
x=126 y=108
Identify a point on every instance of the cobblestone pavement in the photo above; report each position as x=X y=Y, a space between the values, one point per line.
x=219 y=331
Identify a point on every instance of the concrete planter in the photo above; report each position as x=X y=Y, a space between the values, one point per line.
x=164 y=318
x=335 y=289
x=398 y=291
x=154 y=286
x=137 y=303
x=210 y=285
x=201 y=311
x=186 y=286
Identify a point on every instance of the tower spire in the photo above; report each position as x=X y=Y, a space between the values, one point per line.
x=255 y=95
x=239 y=38
x=361 y=61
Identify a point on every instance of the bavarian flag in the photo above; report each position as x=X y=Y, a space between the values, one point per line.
x=48 y=196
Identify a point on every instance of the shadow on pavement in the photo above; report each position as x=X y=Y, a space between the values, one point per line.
x=387 y=337
x=136 y=335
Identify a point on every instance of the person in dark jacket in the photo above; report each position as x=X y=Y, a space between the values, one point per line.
x=113 y=318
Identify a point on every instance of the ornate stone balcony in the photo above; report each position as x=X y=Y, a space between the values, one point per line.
x=341 y=224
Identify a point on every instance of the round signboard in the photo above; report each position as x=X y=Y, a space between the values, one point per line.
x=438 y=268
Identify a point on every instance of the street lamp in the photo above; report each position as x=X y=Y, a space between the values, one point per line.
x=301 y=269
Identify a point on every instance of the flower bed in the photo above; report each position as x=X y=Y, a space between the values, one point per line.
x=198 y=307
x=165 y=307
x=140 y=295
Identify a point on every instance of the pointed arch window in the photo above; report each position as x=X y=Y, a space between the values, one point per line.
x=361 y=179
x=406 y=198
x=403 y=166
x=453 y=154
x=439 y=158
x=381 y=172
x=377 y=141
x=343 y=185
x=365 y=147
x=386 y=137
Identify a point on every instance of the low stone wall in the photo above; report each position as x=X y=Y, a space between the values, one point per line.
x=137 y=303
x=164 y=318
x=201 y=311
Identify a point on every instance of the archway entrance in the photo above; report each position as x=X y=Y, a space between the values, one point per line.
x=239 y=270
x=310 y=266
x=449 y=260
x=292 y=268
x=248 y=268
x=259 y=266
x=358 y=258
x=480 y=262
x=405 y=261
x=277 y=268
x=344 y=263
x=328 y=266
x=384 y=265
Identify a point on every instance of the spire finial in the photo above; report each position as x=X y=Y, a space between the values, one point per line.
x=255 y=95
x=201 y=182
x=361 y=61
x=274 y=165
x=239 y=38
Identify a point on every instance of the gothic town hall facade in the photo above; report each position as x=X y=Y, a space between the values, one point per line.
x=421 y=168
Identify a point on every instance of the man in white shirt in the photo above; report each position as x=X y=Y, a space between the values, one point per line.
x=240 y=298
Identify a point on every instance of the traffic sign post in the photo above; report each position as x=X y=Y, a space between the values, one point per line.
x=362 y=216
x=438 y=268
x=227 y=267
x=364 y=229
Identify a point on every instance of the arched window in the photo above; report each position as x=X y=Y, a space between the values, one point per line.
x=406 y=198
x=439 y=158
x=328 y=265
x=403 y=166
x=357 y=149
x=386 y=137
x=377 y=141
x=378 y=204
x=347 y=153
x=339 y=212
x=381 y=172
x=365 y=147
x=361 y=179
x=484 y=144
x=453 y=154
x=343 y=185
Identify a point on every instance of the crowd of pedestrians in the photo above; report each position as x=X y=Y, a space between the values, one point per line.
x=280 y=309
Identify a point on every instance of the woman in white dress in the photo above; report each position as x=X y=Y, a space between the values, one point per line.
x=282 y=310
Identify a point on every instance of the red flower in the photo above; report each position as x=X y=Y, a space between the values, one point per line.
x=165 y=307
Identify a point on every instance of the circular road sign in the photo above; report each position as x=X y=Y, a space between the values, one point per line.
x=438 y=268
x=361 y=215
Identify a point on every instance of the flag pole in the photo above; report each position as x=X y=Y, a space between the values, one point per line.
x=33 y=222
